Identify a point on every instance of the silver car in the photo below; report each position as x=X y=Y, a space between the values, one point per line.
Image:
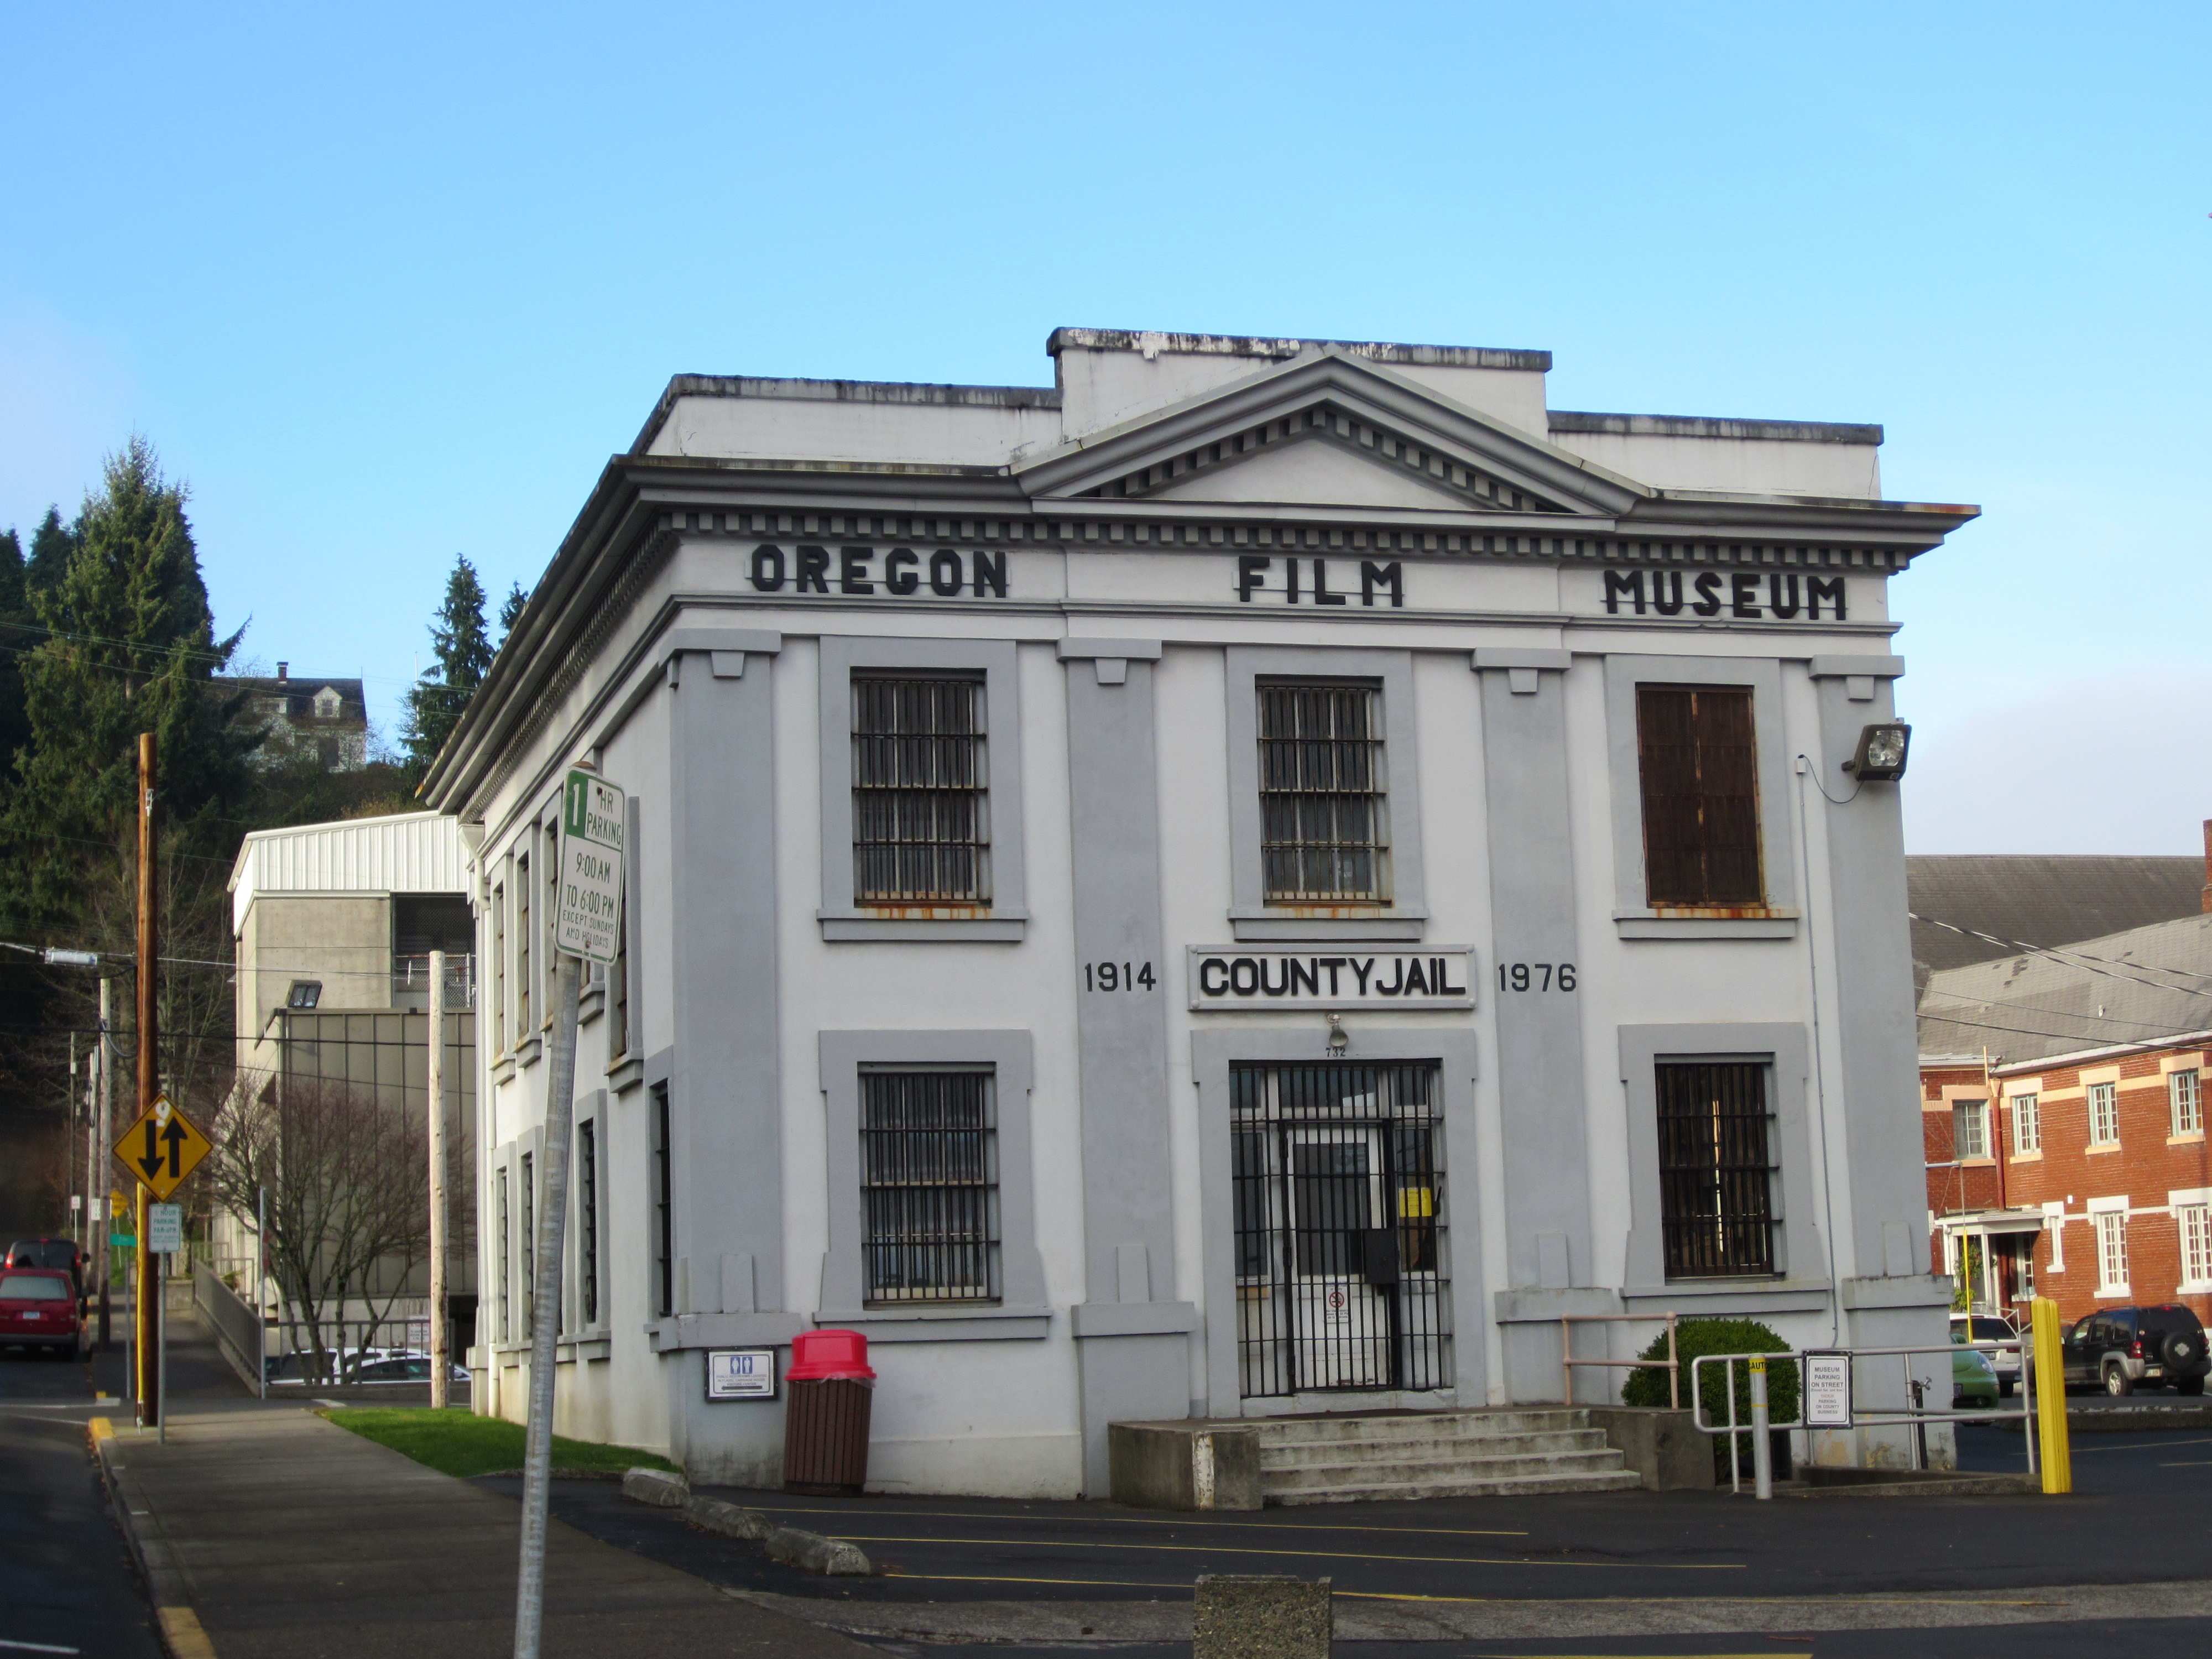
x=1990 y=1327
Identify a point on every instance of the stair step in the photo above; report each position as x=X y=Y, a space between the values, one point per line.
x=1418 y=1425
x=1417 y=1471
x=1506 y=1486
x=1438 y=1450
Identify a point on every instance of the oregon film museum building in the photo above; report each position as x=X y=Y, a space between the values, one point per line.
x=1251 y=880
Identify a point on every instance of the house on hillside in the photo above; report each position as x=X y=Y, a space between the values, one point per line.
x=2062 y=1117
x=1246 y=884
x=325 y=717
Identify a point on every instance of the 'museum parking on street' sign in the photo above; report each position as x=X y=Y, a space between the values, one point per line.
x=593 y=818
x=1827 y=1391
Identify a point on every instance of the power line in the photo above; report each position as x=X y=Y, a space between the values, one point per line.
x=2103 y=965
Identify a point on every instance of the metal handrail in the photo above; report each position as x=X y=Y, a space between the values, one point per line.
x=1672 y=1365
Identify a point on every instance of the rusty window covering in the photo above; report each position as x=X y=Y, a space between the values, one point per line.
x=921 y=824
x=1323 y=829
x=929 y=1186
x=1716 y=1171
x=1698 y=760
x=521 y=946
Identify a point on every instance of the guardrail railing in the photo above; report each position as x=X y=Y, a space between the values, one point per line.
x=1672 y=1365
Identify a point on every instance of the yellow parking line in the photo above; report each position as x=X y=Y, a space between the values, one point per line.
x=180 y=1629
x=1704 y=1601
x=1314 y=1555
x=984 y=1578
x=1183 y=1519
x=2155 y=1445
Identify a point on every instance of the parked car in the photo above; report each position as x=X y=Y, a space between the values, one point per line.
x=49 y=1253
x=404 y=1368
x=1991 y=1328
x=2123 y=1349
x=1973 y=1381
x=40 y=1310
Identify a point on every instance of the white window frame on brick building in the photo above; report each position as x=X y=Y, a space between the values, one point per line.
x=2184 y=1100
x=2027 y=1123
x=2192 y=1222
x=2108 y=1219
x=2103 y=1104
x=1970 y=1130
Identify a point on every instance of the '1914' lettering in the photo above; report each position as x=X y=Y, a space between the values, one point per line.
x=1739 y=592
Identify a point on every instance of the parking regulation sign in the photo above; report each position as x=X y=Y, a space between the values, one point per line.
x=593 y=818
x=1827 y=1391
x=165 y=1228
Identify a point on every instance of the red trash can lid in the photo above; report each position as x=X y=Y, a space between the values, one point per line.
x=820 y=1356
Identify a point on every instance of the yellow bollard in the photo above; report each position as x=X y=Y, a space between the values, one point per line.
x=2050 y=1397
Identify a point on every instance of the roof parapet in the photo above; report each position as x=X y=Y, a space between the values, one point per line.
x=1153 y=343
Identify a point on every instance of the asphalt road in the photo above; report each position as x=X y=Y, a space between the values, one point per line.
x=67 y=1582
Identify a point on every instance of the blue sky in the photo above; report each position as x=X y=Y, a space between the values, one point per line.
x=391 y=284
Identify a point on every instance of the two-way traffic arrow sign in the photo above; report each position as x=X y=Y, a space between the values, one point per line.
x=161 y=1148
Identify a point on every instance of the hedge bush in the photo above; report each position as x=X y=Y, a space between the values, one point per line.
x=1647 y=1385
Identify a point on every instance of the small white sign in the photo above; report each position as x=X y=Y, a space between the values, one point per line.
x=1827 y=1391
x=740 y=1373
x=592 y=820
x=1244 y=978
x=165 y=1228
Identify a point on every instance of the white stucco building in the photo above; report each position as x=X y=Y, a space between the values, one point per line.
x=1249 y=881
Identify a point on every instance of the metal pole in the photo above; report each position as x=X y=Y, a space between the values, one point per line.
x=261 y=1290
x=436 y=1078
x=1736 y=1439
x=161 y=1345
x=1673 y=1367
x=1567 y=1361
x=149 y=1045
x=1762 y=1451
x=130 y=1332
x=545 y=1311
x=2028 y=1398
x=106 y=1052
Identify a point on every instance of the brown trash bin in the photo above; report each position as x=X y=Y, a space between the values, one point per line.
x=829 y=1392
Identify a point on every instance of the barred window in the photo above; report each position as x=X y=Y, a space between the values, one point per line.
x=529 y=1247
x=521 y=946
x=1716 y=1173
x=1698 y=760
x=921 y=828
x=664 y=1207
x=506 y=1266
x=587 y=1219
x=1323 y=825
x=499 y=970
x=929 y=1183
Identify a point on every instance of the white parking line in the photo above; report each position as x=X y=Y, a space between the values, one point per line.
x=35 y=1647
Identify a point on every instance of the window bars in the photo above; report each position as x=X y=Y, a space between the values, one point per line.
x=1715 y=1169
x=1337 y=1170
x=1323 y=831
x=664 y=1206
x=921 y=830
x=929 y=1187
x=1698 y=763
x=587 y=1219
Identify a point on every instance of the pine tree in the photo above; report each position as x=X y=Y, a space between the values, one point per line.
x=51 y=544
x=463 y=653
x=127 y=644
x=18 y=633
x=510 y=612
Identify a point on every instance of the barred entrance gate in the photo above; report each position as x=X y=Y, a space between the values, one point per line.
x=1338 y=1171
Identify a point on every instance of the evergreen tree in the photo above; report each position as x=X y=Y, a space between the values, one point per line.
x=51 y=544
x=463 y=653
x=127 y=644
x=510 y=610
x=18 y=633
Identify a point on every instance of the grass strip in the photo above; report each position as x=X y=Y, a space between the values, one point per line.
x=460 y=1443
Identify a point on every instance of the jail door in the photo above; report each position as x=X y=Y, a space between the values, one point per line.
x=1338 y=1218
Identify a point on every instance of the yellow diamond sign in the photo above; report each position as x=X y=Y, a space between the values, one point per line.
x=161 y=1148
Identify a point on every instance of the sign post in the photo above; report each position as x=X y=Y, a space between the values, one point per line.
x=585 y=927
x=161 y=1148
x=165 y=1236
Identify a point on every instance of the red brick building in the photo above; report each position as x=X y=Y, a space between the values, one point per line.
x=2082 y=1177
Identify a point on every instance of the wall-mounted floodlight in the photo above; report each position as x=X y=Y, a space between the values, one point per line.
x=1880 y=757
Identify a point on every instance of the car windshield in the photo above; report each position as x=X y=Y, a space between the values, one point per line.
x=33 y=1287
x=1992 y=1330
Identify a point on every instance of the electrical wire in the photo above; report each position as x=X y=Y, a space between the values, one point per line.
x=2081 y=958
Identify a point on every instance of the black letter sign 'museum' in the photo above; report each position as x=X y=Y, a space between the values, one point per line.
x=1741 y=594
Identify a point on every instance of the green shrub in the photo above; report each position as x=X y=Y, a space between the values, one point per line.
x=1646 y=1386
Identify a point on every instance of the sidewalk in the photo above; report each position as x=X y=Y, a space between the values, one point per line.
x=267 y=1533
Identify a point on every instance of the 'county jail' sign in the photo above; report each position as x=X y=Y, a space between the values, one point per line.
x=1232 y=977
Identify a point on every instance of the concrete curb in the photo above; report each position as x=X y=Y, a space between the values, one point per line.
x=658 y=1487
x=713 y=1514
x=168 y=1587
x=831 y=1556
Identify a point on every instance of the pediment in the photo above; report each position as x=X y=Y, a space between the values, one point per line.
x=1335 y=431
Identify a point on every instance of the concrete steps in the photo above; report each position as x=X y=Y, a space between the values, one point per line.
x=1346 y=1460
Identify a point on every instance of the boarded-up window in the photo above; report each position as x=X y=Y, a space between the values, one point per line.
x=1699 y=763
x=1324 y=834
x=1716 y=1176
x=921 y=830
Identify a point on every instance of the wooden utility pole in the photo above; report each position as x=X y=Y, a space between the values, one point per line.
x=104 y=1140
x=149 y=1082
x=440 y=1361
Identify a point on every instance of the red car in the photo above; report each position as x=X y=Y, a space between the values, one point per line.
x=39 y=1308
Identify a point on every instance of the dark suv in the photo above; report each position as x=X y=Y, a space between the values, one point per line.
x=2122 y=1349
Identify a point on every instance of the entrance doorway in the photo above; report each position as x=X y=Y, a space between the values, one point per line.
x=1341 y=1276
